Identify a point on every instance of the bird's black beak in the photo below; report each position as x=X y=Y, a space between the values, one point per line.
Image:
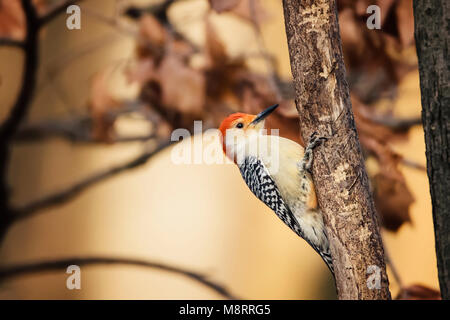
x=263 y=114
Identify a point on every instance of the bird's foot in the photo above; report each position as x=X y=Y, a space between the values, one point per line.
x=314 y=141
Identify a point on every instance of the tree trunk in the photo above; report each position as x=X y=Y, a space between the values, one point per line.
x=340 y=178
x=432 y=23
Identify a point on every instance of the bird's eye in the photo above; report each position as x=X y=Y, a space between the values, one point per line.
x=240 y=125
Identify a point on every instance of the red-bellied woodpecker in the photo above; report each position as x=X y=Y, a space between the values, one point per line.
x=276 y=170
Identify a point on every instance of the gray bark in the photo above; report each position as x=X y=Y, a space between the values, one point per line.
x=432 y=28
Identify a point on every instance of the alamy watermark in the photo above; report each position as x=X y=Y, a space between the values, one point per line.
x=74 y=280
x=374 y=277
x=74 y=20
x=209 y=147
x=374 y=20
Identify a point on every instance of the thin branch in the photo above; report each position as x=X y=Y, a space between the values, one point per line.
x=74 y=190
x=391 y=264
x=413 y=164
x=20 y=108
x=397 y=123
x=62 y=264
x=72 y=131
x=55 y=10
x=78 y=129
x=9 y=42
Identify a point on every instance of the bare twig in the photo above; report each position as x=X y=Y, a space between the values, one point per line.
x=73 y=130
x=397 y=123
x=159 y=11
x=11 y=42
x=391 y=264
x=413 y=164
x=78 y=128
x=71 y=192
x=62 y=264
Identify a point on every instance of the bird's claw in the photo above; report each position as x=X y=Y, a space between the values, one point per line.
x=314 y=141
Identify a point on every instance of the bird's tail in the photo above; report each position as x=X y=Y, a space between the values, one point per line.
x=326 y=256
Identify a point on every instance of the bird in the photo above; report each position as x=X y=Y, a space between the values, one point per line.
x=277 y=172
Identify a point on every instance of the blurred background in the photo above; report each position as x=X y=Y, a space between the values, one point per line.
x=135 y=71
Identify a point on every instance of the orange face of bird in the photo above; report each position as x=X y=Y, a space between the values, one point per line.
x=238 y=126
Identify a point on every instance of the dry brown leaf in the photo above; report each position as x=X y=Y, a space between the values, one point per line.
x=374 y=59
x=12 y=18
x=366 y=52
x=152 y=30
x=392 y=196
x=181 y=48
x=215 y=50
x=351 y=33
x=251 y=10
x=231 y=76
x=12 y=22
x=368 y=128
x=418 y=292
x=392 y=200
x=152 y=38
x=386 y=157
x=385 y=7
x=287 y=109
x=162 y=68
x=143 y=71
x=182 y=88
x=223 y=5
x=173 y=84
x=288 y=127
x=361 y=6
x=405 y=22
x=254 y=90
x=100 y=103
x=220 y=70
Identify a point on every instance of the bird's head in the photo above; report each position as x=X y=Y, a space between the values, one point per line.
x=239 y=126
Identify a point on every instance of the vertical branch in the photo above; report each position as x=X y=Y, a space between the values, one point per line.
x=20 y=108
x=432 y=23
x=342 y=185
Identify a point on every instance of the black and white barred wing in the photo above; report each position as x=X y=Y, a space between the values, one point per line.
x=259 y=181
x=262 y=185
